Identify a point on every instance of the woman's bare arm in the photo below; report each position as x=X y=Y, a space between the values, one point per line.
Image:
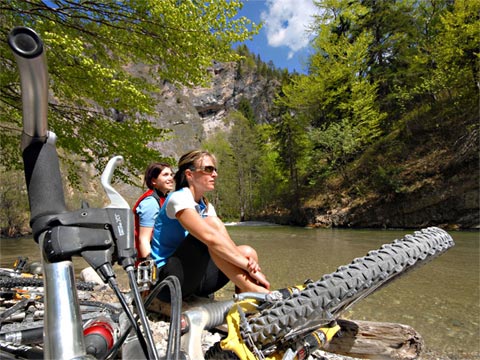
x=144 y=239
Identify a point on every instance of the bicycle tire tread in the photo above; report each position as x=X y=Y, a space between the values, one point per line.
x=335 y=292
x=11 y=282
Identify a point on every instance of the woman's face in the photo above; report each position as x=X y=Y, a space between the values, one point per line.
x=164 y=181
x=204 y=175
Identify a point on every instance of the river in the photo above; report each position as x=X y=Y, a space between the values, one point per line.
x=440 y=300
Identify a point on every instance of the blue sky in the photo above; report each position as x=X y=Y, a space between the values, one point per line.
x=283 y=38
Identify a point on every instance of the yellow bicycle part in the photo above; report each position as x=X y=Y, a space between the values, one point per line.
x=235 y=343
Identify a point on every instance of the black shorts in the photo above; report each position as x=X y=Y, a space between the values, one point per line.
x=192 y=265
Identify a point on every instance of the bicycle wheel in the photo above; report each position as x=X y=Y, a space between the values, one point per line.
x=324 y=300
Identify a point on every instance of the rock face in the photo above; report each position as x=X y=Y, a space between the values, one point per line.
x=193 y=114
x=453 y=207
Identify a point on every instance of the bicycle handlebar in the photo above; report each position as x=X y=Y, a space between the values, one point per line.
x=39 y=155
x=28 y=49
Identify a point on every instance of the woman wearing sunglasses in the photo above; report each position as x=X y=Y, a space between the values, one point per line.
x=192 y=243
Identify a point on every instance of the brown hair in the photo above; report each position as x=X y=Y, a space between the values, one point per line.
x=188 y=161
x=152 y=172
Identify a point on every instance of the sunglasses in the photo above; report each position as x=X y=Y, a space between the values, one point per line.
x=206 y=169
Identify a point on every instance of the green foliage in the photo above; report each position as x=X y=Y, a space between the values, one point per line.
x=455 y=53
x=383 y=76
x=293 y=145
x=226 y=196
x=337 y=100
x=272 y=183
x=336 y=143
x=445 y=66
x=99 y=99
x=245 y=108
x=245 y=154
x=250 y=63
x=14 y=209
x=250 y=179
x=386 y=179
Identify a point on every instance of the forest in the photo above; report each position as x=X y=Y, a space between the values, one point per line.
x=390 y=98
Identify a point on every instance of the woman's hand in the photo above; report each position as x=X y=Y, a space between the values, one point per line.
x=255 y=272
x=252 y=265
x=260 y=278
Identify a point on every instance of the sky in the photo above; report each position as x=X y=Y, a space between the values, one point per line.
x=283 y=38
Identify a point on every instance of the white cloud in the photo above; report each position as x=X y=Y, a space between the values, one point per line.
x=286 y=22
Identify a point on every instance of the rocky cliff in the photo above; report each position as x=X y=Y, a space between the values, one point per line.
x=193 y=114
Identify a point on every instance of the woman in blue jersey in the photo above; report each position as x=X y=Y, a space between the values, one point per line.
x=192 y=243
x=159 y=181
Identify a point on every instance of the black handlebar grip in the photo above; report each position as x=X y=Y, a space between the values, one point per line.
x=44 y=181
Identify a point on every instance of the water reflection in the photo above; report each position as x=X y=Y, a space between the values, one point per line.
x=439 y=300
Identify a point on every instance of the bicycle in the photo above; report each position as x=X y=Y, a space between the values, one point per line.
x=285 y=324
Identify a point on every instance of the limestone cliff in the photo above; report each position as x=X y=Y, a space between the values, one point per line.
x=192 y=114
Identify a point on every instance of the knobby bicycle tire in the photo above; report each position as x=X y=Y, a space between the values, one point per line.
x=12 y=282
x=327 y=298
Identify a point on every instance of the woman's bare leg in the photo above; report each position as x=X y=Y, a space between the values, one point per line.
x=238 y=276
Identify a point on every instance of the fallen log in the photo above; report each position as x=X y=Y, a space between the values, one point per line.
x=376 y=340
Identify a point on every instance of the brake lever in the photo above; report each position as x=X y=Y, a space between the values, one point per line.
x=122 y=222
x=121 y=216
x=116 y=200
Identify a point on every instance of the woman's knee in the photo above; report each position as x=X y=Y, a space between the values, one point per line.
x=248 y=251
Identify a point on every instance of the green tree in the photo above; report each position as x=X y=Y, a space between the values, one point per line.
x=226 y=196
x=243 y=140
x=453 y=56
x=105 y=61
x=13 y=217
x=272 y=183
x=240 y=191
x=245 y=108
x=294 y=147
x=335 y=146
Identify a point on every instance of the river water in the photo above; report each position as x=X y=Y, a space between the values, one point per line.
x=441 y=300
